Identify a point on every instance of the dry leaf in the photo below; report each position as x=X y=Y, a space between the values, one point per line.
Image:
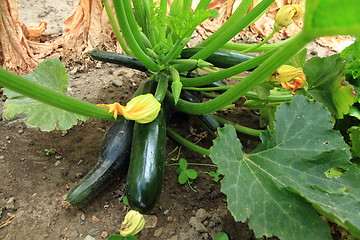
x=36 y=31
x=336 y=43
x=95 y=219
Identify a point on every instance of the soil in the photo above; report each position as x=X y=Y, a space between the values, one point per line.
x=35 y=184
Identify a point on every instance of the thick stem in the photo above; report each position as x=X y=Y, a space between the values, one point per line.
x=51 y=97
x=255 y=78
x=162 y=86
x=229 y=72
x=187 y=143
x=231 y=27
x=239 y=128
x=253 y=48
x=130 y=39
x=229 y=24
x=243 y=46
x=116 y=28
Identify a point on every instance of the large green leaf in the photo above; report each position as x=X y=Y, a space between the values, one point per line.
x=332 y=17
x=351 y=55
x=51 y=74
x=278 y=187
x=327 y=84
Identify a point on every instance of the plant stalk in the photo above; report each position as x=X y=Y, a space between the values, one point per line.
x=35 y=91
x=255 y=78
x=187 y=143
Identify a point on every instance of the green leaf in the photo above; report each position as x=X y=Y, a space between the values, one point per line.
x=185 y=23
x=332 y=17
x=51 y=74
x=191 y=173
x=125 y=200
x=279 y=186
x=298 y=59
x=183 y=178
x=115 y=237
x=351 y=55
x=326 y=84
x=355 y=140
x=183 y=163
x=130 y=237
x=215 y=175
x=221 y=236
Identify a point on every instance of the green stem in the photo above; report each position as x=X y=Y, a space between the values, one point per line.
x=134 y=27
x=231 y=27
x=140 y=8
x=51 y=97
x=209 y=95
x=239 y=128
x=243 y=46
x=228 y=29
x=116 y=29
x=130 y=39
x=202 y=5
x=161 y=25
x=255 y=78
x=207 y=88
x=253 y=96
x=162 y=86
x=187 y=143
x=271 y=98
x=253 y=48
x=175 y=51
x=229 y=72
x=193 y=164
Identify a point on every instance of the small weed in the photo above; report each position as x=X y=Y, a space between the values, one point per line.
x=185 y=175
x=49 y=151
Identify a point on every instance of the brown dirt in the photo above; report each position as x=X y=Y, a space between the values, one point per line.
x=35 y=184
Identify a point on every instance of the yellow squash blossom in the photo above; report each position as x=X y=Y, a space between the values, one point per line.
x=142 y=109
x=291 y=78
x=286 y=14
x=132 y=224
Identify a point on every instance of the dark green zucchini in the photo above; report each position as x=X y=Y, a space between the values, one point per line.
x=113 y=161
x=117 y=58
x=221 y=58
x=146 y=169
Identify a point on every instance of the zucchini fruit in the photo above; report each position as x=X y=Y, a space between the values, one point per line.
x=146 y=169
x=117 y=58
x=113 y=159
x=220 y=58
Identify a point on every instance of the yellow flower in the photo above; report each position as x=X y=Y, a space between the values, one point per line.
x=132 y=224
x=142 y=109
x=291 y=78
x=286 y=14
x=296 y=83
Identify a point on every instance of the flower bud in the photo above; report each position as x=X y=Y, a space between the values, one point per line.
x=289 y=77
x=286 y=14
x=132 y=224
x=142 y=109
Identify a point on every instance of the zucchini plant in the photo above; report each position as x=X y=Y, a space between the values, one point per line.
x=302 y=168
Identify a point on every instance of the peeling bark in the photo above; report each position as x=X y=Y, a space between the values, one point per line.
x=85 y=29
